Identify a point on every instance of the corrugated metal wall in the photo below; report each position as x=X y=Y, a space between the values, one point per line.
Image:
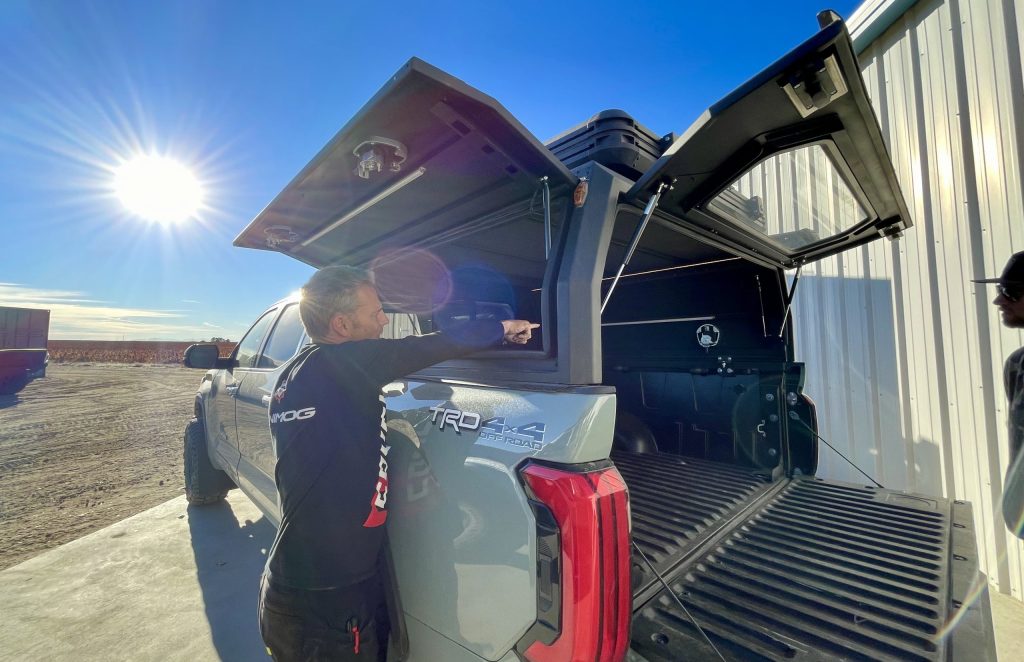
x=802 y=198
x=907 y=368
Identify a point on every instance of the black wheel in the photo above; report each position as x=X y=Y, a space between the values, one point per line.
x=204 y=483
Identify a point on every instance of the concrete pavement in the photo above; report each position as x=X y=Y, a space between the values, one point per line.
x=180 y=583
x=171 y=583
x=1008 y=616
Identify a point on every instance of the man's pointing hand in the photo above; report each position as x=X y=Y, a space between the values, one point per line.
x=518 y=331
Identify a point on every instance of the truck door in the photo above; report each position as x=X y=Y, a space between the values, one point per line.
x=790 y=167
x=255 y=444
x=222 y=431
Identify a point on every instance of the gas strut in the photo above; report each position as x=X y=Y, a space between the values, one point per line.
x=789 y=299
x=648 y=212
x=546 y=199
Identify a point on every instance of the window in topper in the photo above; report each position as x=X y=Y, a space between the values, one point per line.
x=793 y=198
x=489 y=268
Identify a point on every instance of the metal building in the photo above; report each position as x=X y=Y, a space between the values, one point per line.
x=908 y=371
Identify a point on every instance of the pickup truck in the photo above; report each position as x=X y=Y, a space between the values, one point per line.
x=638 y=482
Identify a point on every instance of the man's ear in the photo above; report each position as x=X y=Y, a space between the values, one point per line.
x=341 y=325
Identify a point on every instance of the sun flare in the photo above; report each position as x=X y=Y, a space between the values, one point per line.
x=158 y=189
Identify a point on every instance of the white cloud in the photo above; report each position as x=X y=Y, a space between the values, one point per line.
x=212 y=326
x=12 y=293
x=190 y=301
x=75 y=316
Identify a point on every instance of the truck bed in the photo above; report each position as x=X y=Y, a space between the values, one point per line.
x=798 y=569
x=677 y=503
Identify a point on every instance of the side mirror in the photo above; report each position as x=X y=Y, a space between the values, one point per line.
x=203 y=356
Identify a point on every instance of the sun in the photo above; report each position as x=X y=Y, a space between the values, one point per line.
x=158 y=189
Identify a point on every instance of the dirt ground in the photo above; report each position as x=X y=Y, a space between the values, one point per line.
x=86 y=446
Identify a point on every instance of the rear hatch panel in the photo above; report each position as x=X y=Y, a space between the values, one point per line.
x=789 y=168
x=460 y=156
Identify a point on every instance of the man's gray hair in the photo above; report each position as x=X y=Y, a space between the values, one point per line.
x=330 y=291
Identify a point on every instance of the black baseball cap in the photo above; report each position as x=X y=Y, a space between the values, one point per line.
x=1013 y=273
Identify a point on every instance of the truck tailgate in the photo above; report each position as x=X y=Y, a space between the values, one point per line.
x=812 y=569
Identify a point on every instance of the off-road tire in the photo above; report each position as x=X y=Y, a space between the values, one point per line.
x=204 y=483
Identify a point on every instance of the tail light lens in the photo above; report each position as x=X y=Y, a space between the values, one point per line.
x=591 y=510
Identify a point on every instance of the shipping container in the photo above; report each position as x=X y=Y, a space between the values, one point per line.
x=23 y=336
x=24 y=328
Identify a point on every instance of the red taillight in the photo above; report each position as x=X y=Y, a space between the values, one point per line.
x=592 y=512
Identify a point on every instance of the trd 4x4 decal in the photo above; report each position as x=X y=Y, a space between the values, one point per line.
x=493 y=431
x=528 y=436
x=457 y=419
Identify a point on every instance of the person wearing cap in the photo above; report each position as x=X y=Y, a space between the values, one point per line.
x=1010 y=302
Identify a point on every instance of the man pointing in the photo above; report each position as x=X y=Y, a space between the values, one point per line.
x=320 y=590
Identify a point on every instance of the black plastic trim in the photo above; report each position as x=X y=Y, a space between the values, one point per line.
x=578 y=468
x=548 y=625
x=540 y=387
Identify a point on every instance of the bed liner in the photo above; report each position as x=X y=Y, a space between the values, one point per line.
x=800 y=568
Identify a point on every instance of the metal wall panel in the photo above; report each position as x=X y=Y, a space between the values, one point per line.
x=905 y=353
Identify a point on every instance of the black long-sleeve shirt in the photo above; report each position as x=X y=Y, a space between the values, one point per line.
x=1013 y=484
x=327 y=417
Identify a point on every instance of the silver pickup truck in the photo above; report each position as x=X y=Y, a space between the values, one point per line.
x=638 y=482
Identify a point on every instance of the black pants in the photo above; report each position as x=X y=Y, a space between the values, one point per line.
x=345 y=623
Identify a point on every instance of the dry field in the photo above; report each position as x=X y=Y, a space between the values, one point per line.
x=130 y=351
x=87 y=446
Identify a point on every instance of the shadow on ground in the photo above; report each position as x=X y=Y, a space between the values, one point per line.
x=8 y=401
x=229 y=557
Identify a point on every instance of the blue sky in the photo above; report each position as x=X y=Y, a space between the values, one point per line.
x=246 y=93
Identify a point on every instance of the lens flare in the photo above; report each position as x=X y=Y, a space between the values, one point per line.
x=412 y=280
x=158 y=189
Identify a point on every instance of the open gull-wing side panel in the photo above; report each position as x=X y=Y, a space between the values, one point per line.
x=448 y=155
x=791 y=166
